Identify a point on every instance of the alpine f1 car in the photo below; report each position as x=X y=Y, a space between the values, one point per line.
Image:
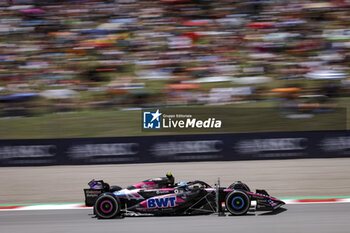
x=161 y=196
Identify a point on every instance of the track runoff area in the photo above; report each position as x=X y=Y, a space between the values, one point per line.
x=71 y=206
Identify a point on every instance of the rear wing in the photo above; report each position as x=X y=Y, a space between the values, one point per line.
x=91 y=196
x=97 y=187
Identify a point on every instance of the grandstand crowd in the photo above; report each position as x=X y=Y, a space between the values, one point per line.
x=136 y=53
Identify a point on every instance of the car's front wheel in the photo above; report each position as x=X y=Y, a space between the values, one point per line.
x=107 y=206
x=237 y=202
x=239 y=185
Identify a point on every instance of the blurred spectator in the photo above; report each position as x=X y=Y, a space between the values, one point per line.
x=87 y=45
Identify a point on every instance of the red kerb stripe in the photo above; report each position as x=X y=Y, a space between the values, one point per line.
x=82 y=206
x=9 y=207
x=319 y=200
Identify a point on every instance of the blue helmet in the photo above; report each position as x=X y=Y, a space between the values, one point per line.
x=182 y=183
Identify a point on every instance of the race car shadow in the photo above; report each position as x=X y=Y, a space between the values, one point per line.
x=262 y=213
x=117 y=217
x=250 y=213
x=278 y=211
x=162 y=216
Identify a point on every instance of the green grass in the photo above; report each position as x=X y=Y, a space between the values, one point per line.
x=249 y=117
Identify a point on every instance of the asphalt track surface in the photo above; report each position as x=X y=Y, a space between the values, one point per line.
x=281 y=178
x=320 y=218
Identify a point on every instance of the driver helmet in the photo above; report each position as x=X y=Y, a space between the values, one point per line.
x=171 y=179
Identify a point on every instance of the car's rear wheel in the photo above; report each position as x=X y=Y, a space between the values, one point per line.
x=107 y=206
x=237 y=202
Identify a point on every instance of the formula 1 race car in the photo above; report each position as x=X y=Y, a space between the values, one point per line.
x=161 y=196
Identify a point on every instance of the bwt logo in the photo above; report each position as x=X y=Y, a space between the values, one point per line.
x=161 y=202
x=151 y=120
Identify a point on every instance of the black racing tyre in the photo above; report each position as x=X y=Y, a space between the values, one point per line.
x=237 y=202
x=107 y=206
x=239 y=185
x=114 y=188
